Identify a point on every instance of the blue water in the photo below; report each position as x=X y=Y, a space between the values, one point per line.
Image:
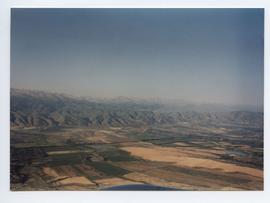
x=140 y=187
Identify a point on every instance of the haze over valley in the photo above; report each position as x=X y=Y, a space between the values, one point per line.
x=60 y=142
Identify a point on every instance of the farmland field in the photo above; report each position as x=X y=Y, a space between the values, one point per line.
x=179 y=157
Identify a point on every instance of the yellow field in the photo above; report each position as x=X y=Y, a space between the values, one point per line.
x=178 y=158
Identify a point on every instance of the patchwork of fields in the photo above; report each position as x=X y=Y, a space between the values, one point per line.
x=181 y=157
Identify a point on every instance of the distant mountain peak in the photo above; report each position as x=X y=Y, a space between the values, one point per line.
x=39 y=108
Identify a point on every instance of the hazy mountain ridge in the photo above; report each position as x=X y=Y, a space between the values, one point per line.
x=37 y=108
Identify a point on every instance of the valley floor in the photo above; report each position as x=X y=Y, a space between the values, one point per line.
x=182 y=157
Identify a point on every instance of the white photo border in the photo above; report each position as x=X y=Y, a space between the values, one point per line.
x=116 y=196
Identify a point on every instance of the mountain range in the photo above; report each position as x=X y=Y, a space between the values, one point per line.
x=30 y=108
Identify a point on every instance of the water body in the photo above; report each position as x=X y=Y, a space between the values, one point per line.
x=141 y=187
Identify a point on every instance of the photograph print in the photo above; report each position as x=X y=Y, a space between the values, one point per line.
x=139 y=99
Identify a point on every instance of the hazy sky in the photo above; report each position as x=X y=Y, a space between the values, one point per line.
x=202 y=55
